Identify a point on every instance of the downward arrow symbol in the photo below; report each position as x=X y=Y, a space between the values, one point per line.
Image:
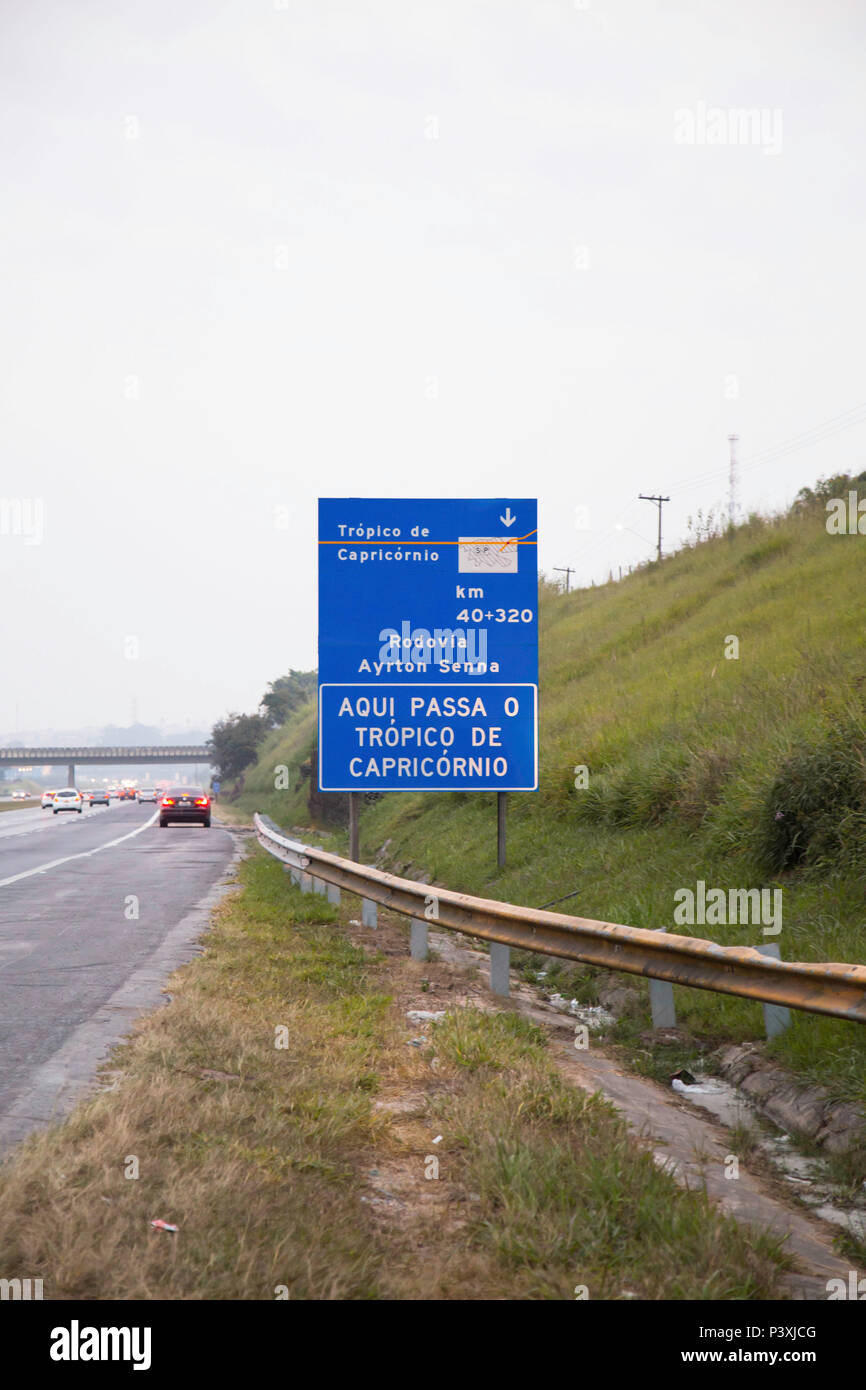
x=508 y=519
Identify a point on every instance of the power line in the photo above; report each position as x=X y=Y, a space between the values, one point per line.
x=816 y=434
x=633 y=532
x=642 y=497
x=604 y=536
x=843 y=421
x=567 y=571
x=804 y=440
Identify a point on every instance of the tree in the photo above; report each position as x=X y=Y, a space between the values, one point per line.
x=285 y=695
x=827 y=488
x=234 y=742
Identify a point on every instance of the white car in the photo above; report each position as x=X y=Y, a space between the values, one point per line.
x=48 y=799
x=19 y=796
x=67 y=799
x=147 y=794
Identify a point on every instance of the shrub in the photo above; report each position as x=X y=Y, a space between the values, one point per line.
x=768 y=550
x=816 y=805
x=703 y=783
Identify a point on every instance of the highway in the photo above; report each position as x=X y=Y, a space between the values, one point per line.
x=95 y=910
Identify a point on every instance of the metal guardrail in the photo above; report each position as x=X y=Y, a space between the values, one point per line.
x=837 y=990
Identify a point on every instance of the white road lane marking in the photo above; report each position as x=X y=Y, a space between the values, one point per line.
x=43 y=868
x=38 y=823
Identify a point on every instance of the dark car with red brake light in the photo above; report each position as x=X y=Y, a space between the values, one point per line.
x=184 y=804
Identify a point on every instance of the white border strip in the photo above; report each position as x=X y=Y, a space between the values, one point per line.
x=416 y=685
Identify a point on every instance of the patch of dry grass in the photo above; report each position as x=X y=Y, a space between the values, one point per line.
x=307 y=1167
x=252 y=1168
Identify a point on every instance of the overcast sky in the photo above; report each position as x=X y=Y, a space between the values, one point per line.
x=258 y=252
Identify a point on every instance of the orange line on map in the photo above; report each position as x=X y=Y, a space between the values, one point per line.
x=476 y=540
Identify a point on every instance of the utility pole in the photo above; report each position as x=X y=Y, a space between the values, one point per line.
x=658 y=501
x=501 y=808
x=567 y=571
x=732 y=481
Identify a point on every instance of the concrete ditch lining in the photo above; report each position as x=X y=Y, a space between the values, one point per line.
x=691 y=1147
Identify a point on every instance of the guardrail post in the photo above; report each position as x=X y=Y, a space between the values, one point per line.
x=320 y=886
x=333 y=894
x=500 y=964
x=368 y=913
x=418 y=940
x=662 y=1007
x=294 y=874
x=776 y=1017
x=306 y=882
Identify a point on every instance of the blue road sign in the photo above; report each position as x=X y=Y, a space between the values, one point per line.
x=428 y=644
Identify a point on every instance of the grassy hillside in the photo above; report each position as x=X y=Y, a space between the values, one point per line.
x=739 y=762
x=286 y=748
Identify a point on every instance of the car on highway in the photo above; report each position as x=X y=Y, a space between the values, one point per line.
x=97 y=797
x=185 y=804
x=126 y=794
x=67 y=799
x=20 y=796
x=147 y=794
x=48 y=799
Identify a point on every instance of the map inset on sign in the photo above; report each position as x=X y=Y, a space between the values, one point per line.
x=487 y=555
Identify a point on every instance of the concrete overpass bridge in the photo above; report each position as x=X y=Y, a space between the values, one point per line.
x=55 y=757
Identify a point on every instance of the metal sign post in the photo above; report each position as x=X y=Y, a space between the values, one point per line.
x=501 y=806
x=354 y=829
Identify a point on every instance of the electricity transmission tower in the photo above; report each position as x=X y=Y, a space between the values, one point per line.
x=732 y=481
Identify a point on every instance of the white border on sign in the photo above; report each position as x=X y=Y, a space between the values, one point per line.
x=435 y=685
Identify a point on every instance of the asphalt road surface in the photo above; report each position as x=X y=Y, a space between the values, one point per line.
x=95 y=911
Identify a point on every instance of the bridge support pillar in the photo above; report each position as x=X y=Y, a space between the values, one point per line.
x=70 y=775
